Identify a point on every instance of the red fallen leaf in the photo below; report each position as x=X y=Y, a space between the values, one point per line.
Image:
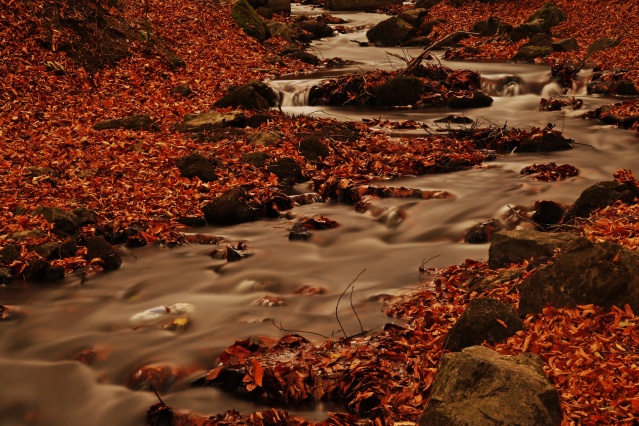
x=319 y=223
x=257 y=372
x=503 y=324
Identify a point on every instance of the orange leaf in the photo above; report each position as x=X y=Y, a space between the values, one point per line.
x=258 y=372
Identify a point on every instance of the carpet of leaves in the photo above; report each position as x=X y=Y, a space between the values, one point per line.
x=586 y=21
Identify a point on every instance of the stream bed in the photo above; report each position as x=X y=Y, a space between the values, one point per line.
x=44 y=385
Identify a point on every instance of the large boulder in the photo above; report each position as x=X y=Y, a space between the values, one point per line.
x=601 y=195
x=316 y=29
x=528 y=30
x=509 y=247
x=255 y=95
x=545 y=141
x=550 y=13
x=480 y=387
x=99 y=248
x=486 y=319
x=313 y=149
x=359 y=4
x=413 y=16
x=208 y=121
x=230 y=208
x=584 y=272
x=398 y=91
x=247 y=18
x=265 y=138
x=390 y=32
x=565 y=45
x=288 y=170
x=470 y=99
x=62 y=221
x=491 y=26
x=196 y=165
x=602 y=44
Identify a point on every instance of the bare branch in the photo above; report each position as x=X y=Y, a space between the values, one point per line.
x=340 y=298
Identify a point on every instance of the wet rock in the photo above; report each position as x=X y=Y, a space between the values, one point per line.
x=550 y=13
x=99 y=248
x=257 y=159
x=583 y=272
x=390 y=32
x=307 y=58
x=451 y=41
x=545 y=141
x=565 y=45
x=196 y=165
x=455 y=119
x=601 y=195
x=182 y=90
x=41 y=270
x=247 y=19
x=475 y=99
x=530 y=52
x=528 y=30
x=413 y=16
x=27 y=234
x=480 y=387
x=483 y=320
x=208 y=121
x=287 y=170
x=504 y=276
x=547 y=213
x=398 y=91
x=482 y=232
x=257 y=120
x=288 y=32
x=5 y=277
x=53 y=250
x=85 y=216
x=313 y=149
x=299 y=232
x=601 y=44
x=625 y=88
x=133 y=122
x=9 y=254
x=265 y=138
x=192 y=221
x=255 y=95
x=266 y=13
x=230 y=208
x=491 y=26
x=509 y=247
x=279 y=5
x=316 y=29
x=64 y=222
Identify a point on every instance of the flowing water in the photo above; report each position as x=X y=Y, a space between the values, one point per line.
x=43 y=385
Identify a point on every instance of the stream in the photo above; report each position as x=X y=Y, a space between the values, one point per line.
x=44 y=385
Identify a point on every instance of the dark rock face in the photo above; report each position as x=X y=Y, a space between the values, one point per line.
x=516 y=246
x=230 y=208
x=265 y=138
x=54 y=250
x=9 y=253
x=527 y=30
x=196 y=165
x=133 y=122
x=625 y=88
x=602 y=44
x=551 y=14
x=85 y=216
x=544 y=142
x=601 y=195
x=584 y=272
x=491 y=27
x=182 y=90
x=480 y=387
x=257 y=159
x=565 y=45
x=399 y=91
x=390 y=32
x=5 y=276
x=64 y=222
x=254 y=96
x=547 y=213
x=99 y=248
x=472 y=100
x=287 y=170
x=316 y=29
x=299 y=232
x=210 y=121
x=305 y=57
x=313 y=149
x=41 y=270
x=247 y=18
x=480 y=322
x=413 y=16
x=482 y=232
x=192 y=221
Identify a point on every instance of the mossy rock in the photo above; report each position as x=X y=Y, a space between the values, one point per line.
x=550 y=13
x=313 y=149
x=256 y=159
x=247 y=18
x=287 y=170
x=529 y=53
x=196 y=165
x=230 y=208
